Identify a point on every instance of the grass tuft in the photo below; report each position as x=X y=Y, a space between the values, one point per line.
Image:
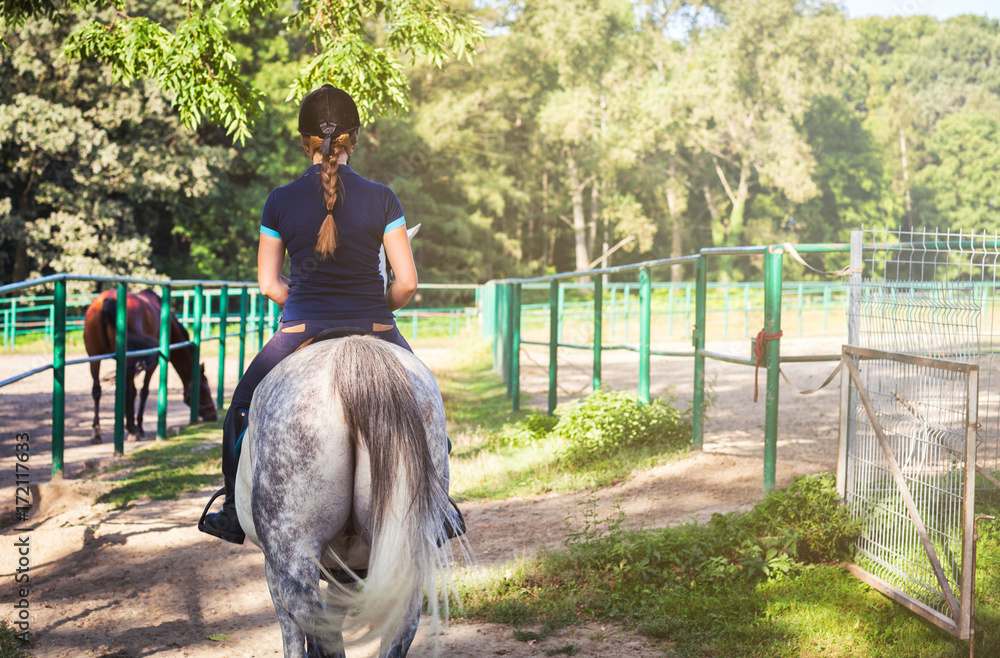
x=164 y=470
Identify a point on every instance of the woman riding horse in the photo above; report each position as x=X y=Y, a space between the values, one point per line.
x=332 y=222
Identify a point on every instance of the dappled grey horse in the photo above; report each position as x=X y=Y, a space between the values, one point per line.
x=343 y=474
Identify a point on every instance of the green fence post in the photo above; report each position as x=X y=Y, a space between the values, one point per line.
x=120 y=334
x=13 y=324
x=493 y=326
x=562 y=305
x=196 y=355
x=698 y=341
x=58 y=378
x=161 y=393
x=725 y=311
x=670 y=312
x=554 y=297
x=645 y=319
x=772 y=325
x=272 y=309
x=223 y=321
x=687 y=310
x=826 y=307
x=746 y=309
x=628 y=305
x=515 y=348
x=244 y=302
x=261 y=309
x=506 y=330
x=614 y=312
x=598 y=328
x=801 y=308
x=186 y=309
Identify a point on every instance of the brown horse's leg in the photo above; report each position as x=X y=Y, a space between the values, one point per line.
x=143 y=394
x=130 y=399
x=95 y=392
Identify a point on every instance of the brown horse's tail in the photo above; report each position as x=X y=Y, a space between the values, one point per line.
x=133 y=339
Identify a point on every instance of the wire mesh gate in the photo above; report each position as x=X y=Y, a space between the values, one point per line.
x=919 y=403
x=907 y=472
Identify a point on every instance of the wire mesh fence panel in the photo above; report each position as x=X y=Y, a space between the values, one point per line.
x=933 y=293
x=908 y=477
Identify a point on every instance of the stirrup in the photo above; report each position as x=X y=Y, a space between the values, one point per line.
x=233 y=537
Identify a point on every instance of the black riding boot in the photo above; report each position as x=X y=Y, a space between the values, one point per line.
x=225 y=524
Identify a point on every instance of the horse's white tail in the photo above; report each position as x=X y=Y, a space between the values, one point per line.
x=405 y=508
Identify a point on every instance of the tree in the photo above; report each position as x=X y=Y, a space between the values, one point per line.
x=751 y=83
x=90 y=170
x=191 y=56
x=959 y=184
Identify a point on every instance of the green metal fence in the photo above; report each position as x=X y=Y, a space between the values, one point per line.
x=32 y=316
x=196 y=294
x=209 y=310
x=693 y=310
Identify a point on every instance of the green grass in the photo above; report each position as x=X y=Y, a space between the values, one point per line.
x=738 y=586
x=164 y=470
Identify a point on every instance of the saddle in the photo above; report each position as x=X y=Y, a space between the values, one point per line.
x=336 y=332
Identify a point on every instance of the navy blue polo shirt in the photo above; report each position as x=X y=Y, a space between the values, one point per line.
x=348 y=285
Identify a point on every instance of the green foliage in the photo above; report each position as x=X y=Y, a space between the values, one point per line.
x=193 y=58
x=808 y=512
x=584 y=127
x=524 y=432
x=608 y=421
x=10 y=645
x=499 y=455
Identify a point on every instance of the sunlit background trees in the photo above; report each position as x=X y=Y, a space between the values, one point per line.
x=582 y=132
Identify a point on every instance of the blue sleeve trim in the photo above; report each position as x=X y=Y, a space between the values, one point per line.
x=392 y=226
x=270 y=232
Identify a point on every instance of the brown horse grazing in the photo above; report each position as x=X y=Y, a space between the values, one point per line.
x=143 y=322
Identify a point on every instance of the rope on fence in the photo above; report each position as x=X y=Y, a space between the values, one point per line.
x=758 y=353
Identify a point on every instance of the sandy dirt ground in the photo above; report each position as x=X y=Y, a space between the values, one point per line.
x=145 y=582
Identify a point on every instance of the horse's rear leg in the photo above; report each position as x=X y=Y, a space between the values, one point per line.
x=130 y=400
x=143 y=394
x=294 y=591
x=95 y=392
x=400 y=644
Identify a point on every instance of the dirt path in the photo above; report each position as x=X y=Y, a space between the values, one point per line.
x=145 y=582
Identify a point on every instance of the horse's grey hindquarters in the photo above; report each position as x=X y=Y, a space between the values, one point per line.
x=347 y=433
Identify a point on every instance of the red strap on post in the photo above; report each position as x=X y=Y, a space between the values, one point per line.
x=758 y=353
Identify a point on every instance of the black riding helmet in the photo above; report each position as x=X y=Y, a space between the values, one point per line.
x=328 y=112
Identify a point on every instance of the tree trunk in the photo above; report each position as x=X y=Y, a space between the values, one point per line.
x=718 y=230
x=594 y=213
x=579 y=220
x=676 y=226
x=734 y=234
x=550 y=226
